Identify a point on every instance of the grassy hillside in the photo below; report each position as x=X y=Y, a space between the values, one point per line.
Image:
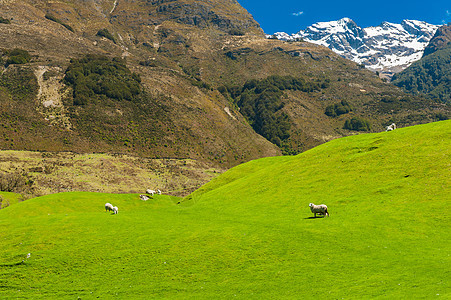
x=249 y=234
x=8 y=198
x=35 y=174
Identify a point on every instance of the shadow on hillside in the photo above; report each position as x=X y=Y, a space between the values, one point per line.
x=312 y=218
x=13 y=264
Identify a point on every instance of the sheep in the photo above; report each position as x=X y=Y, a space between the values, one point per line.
x=390 y=127
x=144 y=197
x=159 y=192
x=115 y=209
x=150 y=192
x=108 y=207
x=319 y=209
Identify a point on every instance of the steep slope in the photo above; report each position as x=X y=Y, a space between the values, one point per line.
x=160 y=125
x=430 y=76
x=249 y=234
x=440 y=40
x=387 y=48
x=225 y=15
x=178 y=56
x=347 y=160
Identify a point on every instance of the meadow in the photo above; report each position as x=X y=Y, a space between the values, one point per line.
x=249 y=233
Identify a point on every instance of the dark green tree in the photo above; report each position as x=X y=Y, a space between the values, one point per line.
x=94 y=76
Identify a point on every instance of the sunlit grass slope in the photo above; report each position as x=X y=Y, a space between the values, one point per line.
x=10 y=198
x=249 y=233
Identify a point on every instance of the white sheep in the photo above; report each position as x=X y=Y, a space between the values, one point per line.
x=108 y=207
x=150 y=192
x=390 y=127
x=115 y=210
x=159 y=192
x=319 y=209
x=144 y=197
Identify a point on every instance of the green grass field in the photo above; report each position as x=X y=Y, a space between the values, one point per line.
x=249 y=233
x=10 y=199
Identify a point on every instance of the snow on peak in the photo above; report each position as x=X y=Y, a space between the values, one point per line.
x=387 y=47
x=341 y=26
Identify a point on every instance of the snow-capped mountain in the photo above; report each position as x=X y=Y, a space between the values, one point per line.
x=387 y=48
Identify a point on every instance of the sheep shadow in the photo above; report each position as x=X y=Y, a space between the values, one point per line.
x=313 y=218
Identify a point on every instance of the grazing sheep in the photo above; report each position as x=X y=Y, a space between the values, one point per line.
x=144 y=197
x=115 y=209
x=108 y=207
x=151 y=192
x=390 y=127
x=319 y=209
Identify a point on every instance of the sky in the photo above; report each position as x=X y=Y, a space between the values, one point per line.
x=291 y=16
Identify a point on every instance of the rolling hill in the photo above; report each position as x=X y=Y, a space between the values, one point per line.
x=249 y=234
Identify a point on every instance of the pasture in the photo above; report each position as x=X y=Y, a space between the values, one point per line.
x=249 y=233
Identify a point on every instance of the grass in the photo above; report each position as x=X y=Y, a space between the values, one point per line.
x=10 y=199
x=53 y=172
x=249 y=234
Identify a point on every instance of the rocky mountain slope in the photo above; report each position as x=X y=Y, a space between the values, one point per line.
x=440 y=40
x=178 y=79
x=387 y=48
x=431 y=75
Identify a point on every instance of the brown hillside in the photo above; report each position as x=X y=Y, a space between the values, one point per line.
x=184 y=51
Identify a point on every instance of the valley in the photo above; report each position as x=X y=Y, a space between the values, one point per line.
x=105 y=101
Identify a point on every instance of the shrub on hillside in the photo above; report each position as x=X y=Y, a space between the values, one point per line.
x=14 y=182
x=17 y=56
x=96 y=75
x=338 y=109
x=20 y=83
x=357 y=124
x=260 y=102
x=16 y=60
x=106 y=34
x=51 y=18
x=441 y=117
x=236 y=31
x=4 y=21
x=54 y=19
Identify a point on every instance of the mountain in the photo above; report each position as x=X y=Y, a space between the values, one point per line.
x=174 y=117
x=387 y=48
x=431 y=75
x=178 y=79
x=440 y=40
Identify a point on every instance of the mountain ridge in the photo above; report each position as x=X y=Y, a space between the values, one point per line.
x=430 y=76
x=387 y=48
x=193 y=76
x=440 y=40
